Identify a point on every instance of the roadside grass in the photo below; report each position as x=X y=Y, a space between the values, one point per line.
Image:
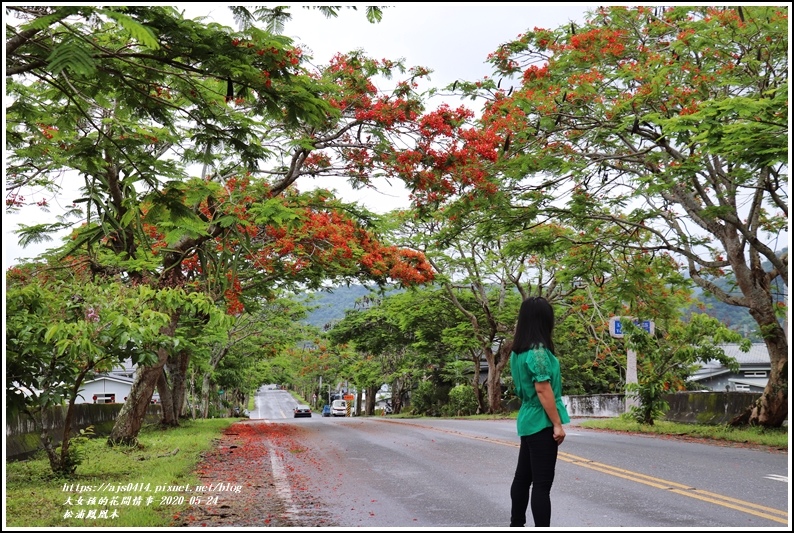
x=774 y=437
x=162 y=459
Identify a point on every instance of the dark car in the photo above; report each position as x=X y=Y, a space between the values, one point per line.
x=326 y=410
x=302 y=410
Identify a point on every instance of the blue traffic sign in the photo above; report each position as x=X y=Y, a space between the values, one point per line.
x=616 y=327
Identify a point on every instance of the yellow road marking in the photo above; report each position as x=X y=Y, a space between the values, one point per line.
x=761 y=511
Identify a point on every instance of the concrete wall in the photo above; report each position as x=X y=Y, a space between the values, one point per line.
x=710 y=408
x=595 y=406
x=22 y=439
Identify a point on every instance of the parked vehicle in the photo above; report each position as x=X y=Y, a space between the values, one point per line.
x=339 y=408
x=326 y=410
x=302 y=411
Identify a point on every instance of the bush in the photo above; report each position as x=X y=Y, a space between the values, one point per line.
x=76 y=452
x=462 y=401
x=423 y=399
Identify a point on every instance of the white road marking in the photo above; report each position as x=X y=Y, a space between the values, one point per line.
x=281 y=482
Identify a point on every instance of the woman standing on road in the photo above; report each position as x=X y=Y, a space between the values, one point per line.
x=536 y=375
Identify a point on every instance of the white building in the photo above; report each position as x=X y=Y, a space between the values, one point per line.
x=111 y=387
x=105 y=389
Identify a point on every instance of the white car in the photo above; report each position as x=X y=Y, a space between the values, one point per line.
x=339 y=408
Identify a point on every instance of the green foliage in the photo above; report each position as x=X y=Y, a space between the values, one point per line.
x=652 y=404
x=137 y=31
x=423 y=399
x=276 y=17
x=457 y=372
x=73 y=56
x=64 y=329
x=462 y=401
x=666 y=360
x=667 y=129
x=76 y=452
x=587 y=361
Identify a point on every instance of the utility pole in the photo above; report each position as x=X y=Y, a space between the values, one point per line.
x=616 y=331
x=631 y=376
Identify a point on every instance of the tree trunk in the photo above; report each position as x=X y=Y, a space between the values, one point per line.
x=60 y=464
x=496 y=363
x=475 y=383
x=130 y=418
x=177 y=372
x=771 y=409
x=133 y=412
x=44 y=422
x=358 y=402
x=66 y=437
x=206 y=379
x=205 y=395
x=166 y=401
x=369 y=408
x=192 y=395
x=494 y=392
x=396 y=396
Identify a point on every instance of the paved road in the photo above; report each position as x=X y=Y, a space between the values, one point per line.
x=384 y=472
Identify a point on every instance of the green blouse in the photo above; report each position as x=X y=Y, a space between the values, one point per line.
x=527 y=368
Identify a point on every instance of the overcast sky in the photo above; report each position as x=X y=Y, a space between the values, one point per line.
x=451 y=39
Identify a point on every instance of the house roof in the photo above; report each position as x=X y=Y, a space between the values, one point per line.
x=754 y=382
x=758 y=353
x=706 y=373
x=758 y=356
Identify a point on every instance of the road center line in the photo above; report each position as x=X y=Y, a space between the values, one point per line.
x=761 y=511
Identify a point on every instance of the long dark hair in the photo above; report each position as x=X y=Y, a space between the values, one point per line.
x=534 y=326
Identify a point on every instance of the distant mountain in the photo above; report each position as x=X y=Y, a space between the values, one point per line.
x=735 y=317
x=331 y=305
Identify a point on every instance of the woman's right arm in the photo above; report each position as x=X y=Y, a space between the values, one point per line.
x=549 y=403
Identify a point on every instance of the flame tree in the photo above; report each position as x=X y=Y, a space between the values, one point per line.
x=672 y=125
x=123 y=103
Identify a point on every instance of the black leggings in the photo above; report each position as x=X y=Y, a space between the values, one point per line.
x=536 y=461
